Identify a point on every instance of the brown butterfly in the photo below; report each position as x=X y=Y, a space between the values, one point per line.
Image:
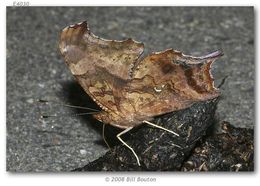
x=132 y=89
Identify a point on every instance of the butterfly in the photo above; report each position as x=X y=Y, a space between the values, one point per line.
x=132 y=89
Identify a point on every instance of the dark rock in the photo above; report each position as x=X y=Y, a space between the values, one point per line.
x=232 y=150
x=158 y=149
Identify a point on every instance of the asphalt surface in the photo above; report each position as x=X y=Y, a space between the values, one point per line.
x=35 y=70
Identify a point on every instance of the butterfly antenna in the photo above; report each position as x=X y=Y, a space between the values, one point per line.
x=67 y=115
x=42 y=101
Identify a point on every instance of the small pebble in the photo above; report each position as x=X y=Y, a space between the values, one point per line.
x=29 y=100
x=41 y=85
x=83 y=151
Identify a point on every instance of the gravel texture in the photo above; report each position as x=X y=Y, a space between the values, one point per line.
x=35 y=70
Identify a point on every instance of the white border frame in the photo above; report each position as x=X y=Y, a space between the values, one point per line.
x=175 y=178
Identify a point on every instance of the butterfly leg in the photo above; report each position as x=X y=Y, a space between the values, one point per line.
x=104 y=137
x=120 y=134
x=157 y=126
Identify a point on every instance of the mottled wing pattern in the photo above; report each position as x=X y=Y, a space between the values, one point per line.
x=168 y=81
x=89 y=58
x=130 y=89
x=163 y=82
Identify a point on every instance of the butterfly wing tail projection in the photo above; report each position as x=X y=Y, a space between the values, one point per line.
x=196 y=60
x=199 y=75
